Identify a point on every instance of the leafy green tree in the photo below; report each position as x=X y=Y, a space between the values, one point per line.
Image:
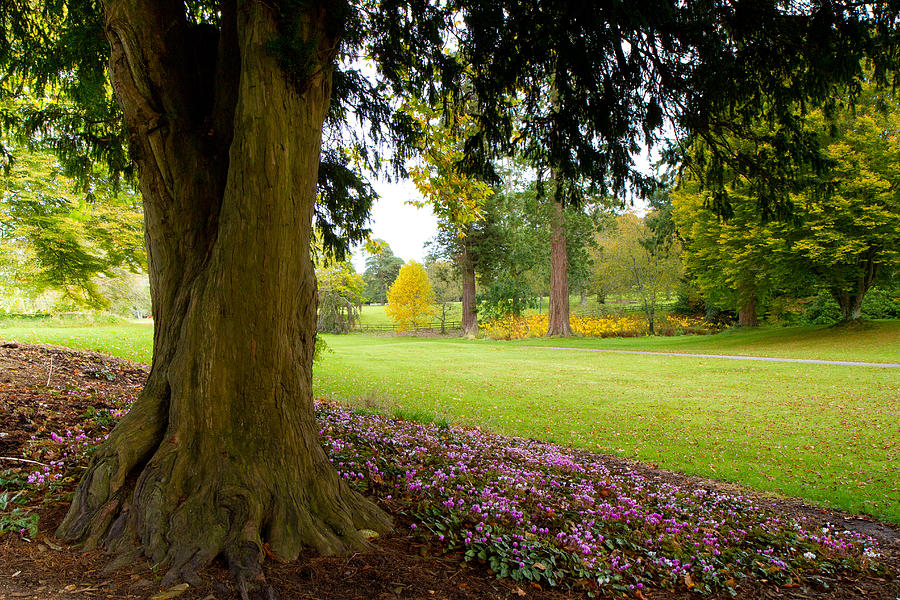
x=446 y=284
x=340 y=296
x=61 y=236
x=410 y=298
x=735 y=263
x=513 y=254
x=382 y=268
x=850 y=234
x=844 y=230
x=517 y=241
x=641 y=261
x=235 y=114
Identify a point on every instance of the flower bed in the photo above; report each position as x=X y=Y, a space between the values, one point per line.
x=539 y=512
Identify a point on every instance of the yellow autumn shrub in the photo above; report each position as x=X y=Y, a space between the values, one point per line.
x=632 y=325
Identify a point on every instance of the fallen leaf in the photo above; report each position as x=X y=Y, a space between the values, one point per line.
x=520 y=592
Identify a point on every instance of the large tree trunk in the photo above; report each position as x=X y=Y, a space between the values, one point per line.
x=469 y=316
x=850 y=304
x=850 y=298
x=747 y=312
x=559 y=275
x=220 y=454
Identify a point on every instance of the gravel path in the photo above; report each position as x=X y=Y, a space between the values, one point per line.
x=732 y=357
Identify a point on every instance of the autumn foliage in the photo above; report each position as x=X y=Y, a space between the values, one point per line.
x=596 y=326
x=410 y=298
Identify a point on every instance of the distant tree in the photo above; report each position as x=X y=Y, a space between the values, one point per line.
x=446 y=284
x=456 y=197
x=642 y=262
x=600 y=279
x=517 y=244
x=850 y=233
x=513 y=253
x=382 y=268
x=340 y=295
x=735 y=263
x=410 y=298
x=61 y=235
x=478 y=248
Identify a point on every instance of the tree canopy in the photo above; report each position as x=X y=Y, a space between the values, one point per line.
x=59 y=235
x=843 y=231
x=382 y=267
x=619 y=74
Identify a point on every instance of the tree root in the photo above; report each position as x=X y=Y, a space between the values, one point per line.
x=188 y=505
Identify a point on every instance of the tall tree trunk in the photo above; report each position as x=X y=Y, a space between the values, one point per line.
x=220 y=454
x=469 y=316
x=747 y=313
x=559 y=275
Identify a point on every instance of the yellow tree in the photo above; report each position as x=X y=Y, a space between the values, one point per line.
x=455 y=197
x=410 y=298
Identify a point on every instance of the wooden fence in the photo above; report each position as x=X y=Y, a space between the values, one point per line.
x=449 y=326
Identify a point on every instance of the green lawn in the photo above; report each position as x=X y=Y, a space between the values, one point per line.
x=133 y=341
x=877 y=341
x=830 y=434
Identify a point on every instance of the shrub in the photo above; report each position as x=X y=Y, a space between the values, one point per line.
x=634 y=325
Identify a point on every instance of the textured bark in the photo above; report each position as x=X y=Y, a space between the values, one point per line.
x=469 y=316
x=747 y=313
x=559 y=275
x=220 y=454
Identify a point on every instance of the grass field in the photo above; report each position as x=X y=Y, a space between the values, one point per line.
x=877 y=341
x=827 y=433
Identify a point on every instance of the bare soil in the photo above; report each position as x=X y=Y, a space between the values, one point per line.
x=33 y=402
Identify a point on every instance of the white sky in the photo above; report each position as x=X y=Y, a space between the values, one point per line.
x=404 y=227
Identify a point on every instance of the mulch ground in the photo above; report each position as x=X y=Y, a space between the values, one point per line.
x=402 y=566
